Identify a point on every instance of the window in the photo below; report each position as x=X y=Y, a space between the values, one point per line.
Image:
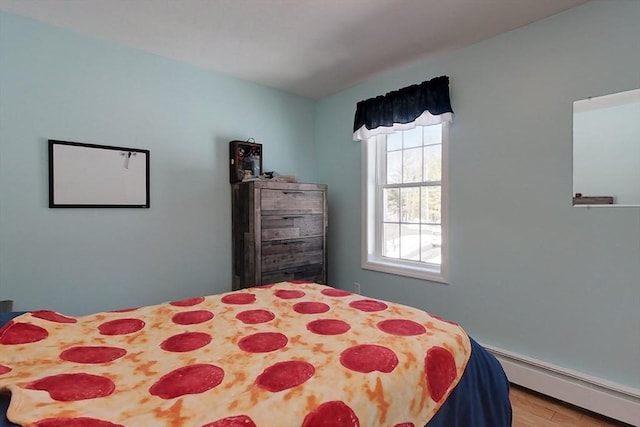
x=405 y=203
x=405 y=167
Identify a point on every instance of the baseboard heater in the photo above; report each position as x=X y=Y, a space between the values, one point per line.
x=610 y=399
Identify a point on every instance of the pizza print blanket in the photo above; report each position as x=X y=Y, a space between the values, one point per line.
x=288 y=354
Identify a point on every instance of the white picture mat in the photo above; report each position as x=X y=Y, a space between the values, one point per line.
x=98 y=176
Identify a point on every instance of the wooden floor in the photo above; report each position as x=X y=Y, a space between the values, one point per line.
x=531 y=409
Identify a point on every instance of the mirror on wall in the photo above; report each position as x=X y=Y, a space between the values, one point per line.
x=606 y=150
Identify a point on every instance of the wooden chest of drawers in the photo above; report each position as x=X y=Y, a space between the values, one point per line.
x=279 y=232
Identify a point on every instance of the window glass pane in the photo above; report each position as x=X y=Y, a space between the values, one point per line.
x=412 y=165
x=433 y=162
x=410 y=204
x=391 y=240
x=394 y=141
x=410 y=242
x=431 y=244
x=394 y=167
x=406 y=234
x=391 y=206
x=413 y=137
x=431 y=203
x=432 y=134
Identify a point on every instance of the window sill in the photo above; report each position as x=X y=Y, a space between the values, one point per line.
x=407 y=270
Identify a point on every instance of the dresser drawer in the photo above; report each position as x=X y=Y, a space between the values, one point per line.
x=312 y=273
x=281 y=255
x=283 y=200
x=280 y=227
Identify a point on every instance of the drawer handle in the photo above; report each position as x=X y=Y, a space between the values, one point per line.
x=293 y=192
x=293 y=217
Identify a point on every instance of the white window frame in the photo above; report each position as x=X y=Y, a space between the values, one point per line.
x=372 y=258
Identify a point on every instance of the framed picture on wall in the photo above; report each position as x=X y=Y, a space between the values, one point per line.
x=245 y=158
x=97 y=176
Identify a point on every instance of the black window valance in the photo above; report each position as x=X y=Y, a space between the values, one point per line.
x=421 y=104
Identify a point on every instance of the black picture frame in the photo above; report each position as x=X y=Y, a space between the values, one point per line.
x=245 y=160
x=98 y=176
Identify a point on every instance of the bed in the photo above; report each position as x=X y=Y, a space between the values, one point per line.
x=286 y=354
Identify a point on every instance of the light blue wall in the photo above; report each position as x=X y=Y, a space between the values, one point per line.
x=529 y=273
x=55 y=84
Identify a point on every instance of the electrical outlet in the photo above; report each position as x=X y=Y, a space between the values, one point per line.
x=356 y=287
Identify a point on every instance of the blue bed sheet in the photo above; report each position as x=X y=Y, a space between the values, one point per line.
x=481 y=398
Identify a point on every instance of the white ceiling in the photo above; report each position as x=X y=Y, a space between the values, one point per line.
x=311 y=48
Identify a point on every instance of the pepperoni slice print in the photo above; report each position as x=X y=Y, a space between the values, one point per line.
x=4 y=369
x=22 y=333
x=253 y=317
x=192 y=379
x=285 y=375
x=289 y=294
x=311 y=307
x=52 y=316
x=440 y=371
x=6 y=326
x=443 y=319
x=187 y=302
x=121 y=326
x=241 y=298
x=368 y=305
x=367 y=358
x=124 y=310
x=328 y=327
x=74 y=422
x=335 y=292
x=334 y=414
x=236 y=421
x=71 y=387
x=192 y=317
x=263 y=342
x=88 y=354
x=401 y=327
x=187 y=341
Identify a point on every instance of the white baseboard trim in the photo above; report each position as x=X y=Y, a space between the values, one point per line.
x=610 y=399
